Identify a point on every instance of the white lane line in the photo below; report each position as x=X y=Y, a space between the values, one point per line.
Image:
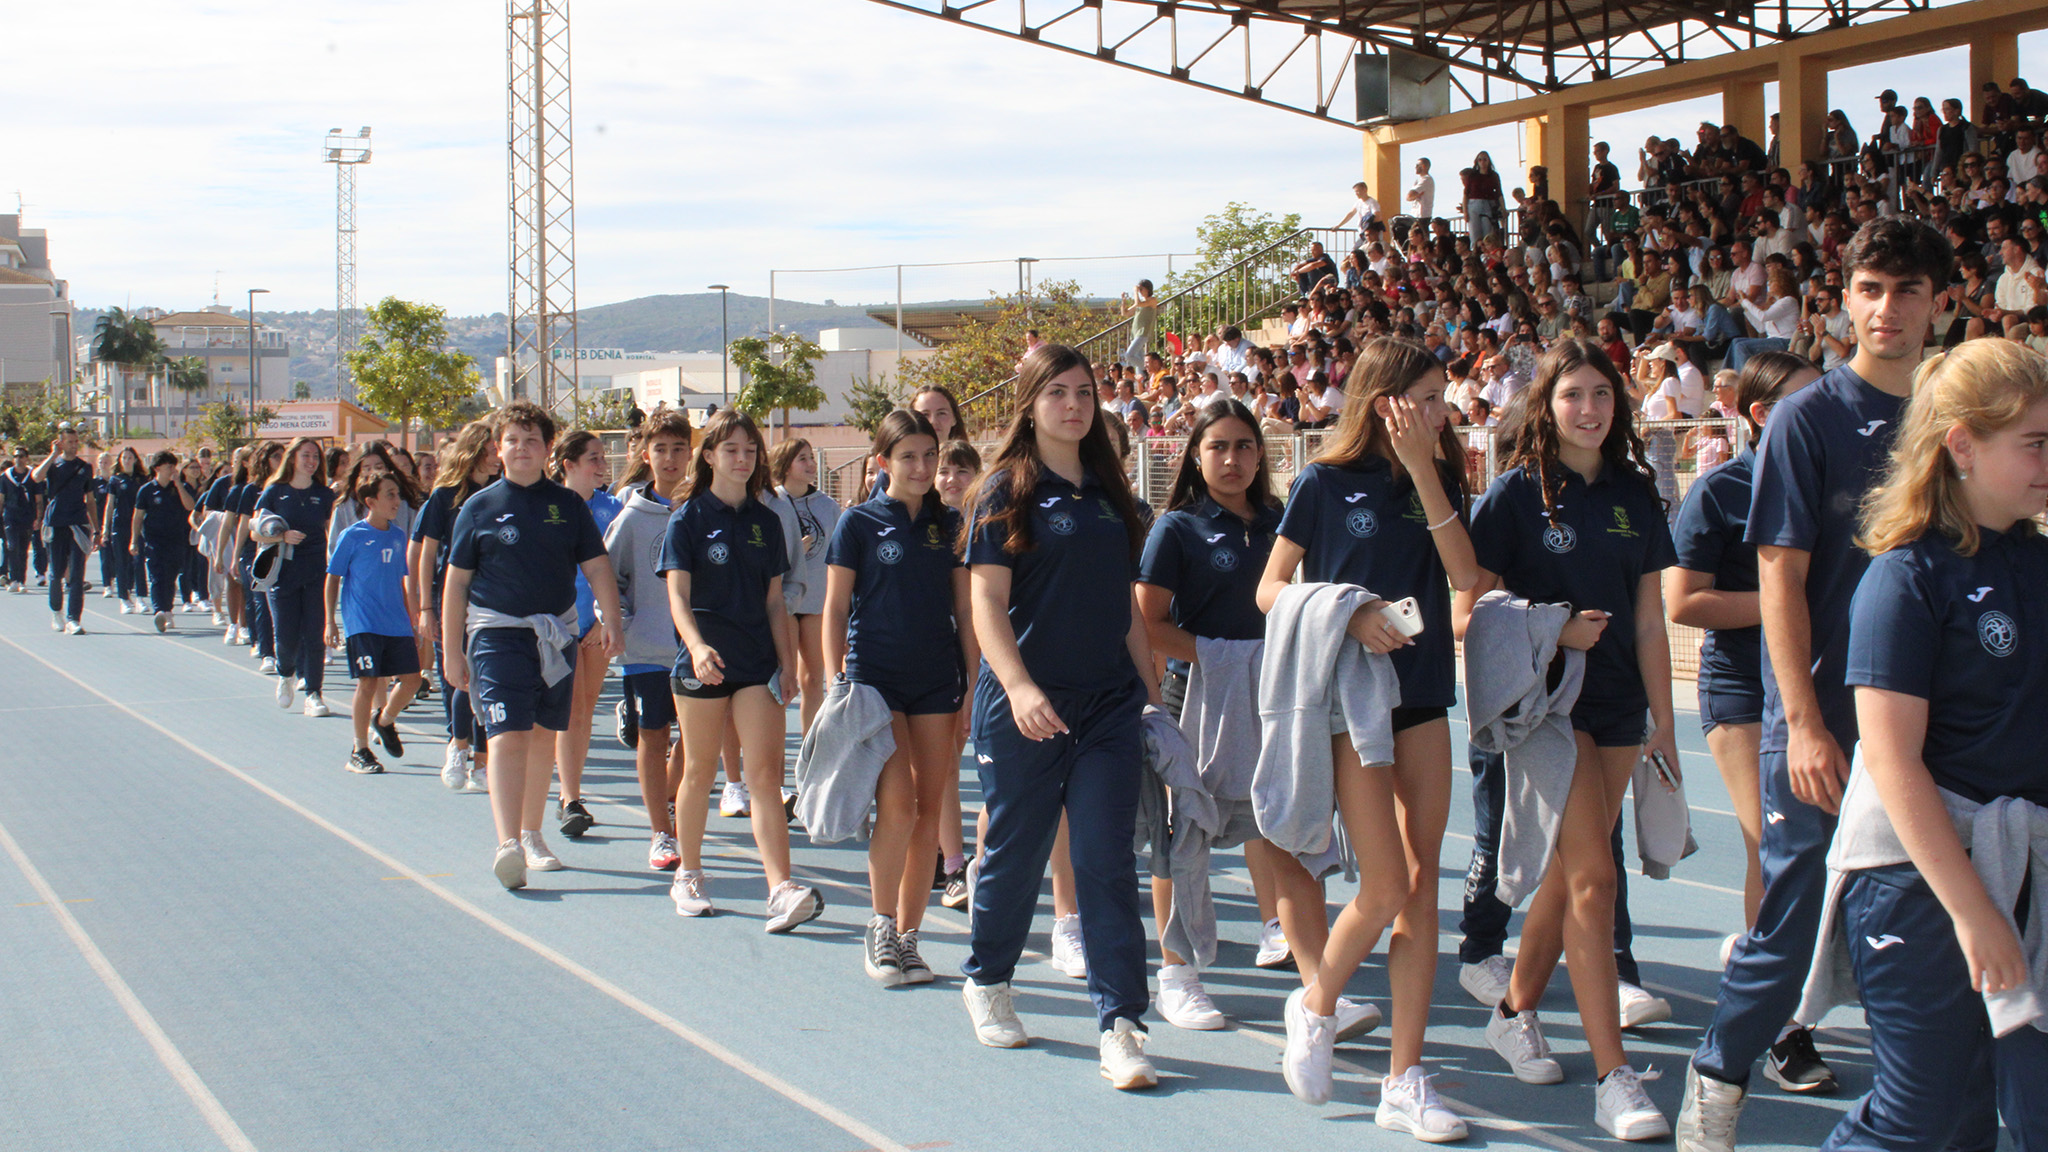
x=872 y=1137
x=167 y=1053
x=74 y=707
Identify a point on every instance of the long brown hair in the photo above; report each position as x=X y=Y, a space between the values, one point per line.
x=1387 y=367
x=1981 y=386
x=899 y=426
x=263 y=462
x=288 y=468
x=1016 y=468
x=1188 y=484
x=1533 y=441
x=726 y=424
x=460 y=457
x=671 y=422
x=959 y=431
x=352 y=482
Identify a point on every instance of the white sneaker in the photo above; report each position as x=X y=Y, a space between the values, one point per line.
x=107 y=593
x=1184 y=1003
x=1305 y=1064
x=1728 y=948
x=661 y=853
x=242 y=635
x=690 y=894
x=1408 y=1103
x=1519 y=1040
x=510 y=865
x=76 y=628
x=1706 y=1121
x=1123 y=1057
x=994 y=1016
x=1069 y=958
x=218 y=619
x=791 y=904
x=733 y=800
x=284 y=690
x=479 y=778
x=269 y=668
x=163 y=621
x=455 y=767
x=538 y=856
x=1624 y=1111
x=1487 y=981
x=56 y=622
x=317 y=707
x=1639 y=1007
x=1355 y=1018
x=1273 y=949
x=127 y=607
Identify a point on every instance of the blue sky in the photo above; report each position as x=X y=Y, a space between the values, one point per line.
x=167 y=151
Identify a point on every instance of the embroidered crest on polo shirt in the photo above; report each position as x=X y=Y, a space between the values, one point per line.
x=932 y=537
x=889 y=552
x=1560 y=538
x=1414 y=511
x=1361 y=522
x=756 y=539
x=717 y=553
x=1999 y=635
x=1621 y=526
x=508 y=535
x=1223 y=560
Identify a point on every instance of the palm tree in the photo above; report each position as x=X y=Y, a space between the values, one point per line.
x=129 y=343
x=186 y=375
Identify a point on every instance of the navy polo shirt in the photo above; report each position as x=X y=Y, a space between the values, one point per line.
x=1824 y=447
x=436 y=522
x=66 y=485
x=1070 y=596
x=900 y=629
x=216 y=498
x=122 y=489
x=1969 y=635
x=1708 y=538
x=1609 y=534
x=1211 y=561
x=18 y=495
x=305 y=510
x=164 y=519
x=731 y=555
x=1360 y=524
x=524 y=546
x=245 y=506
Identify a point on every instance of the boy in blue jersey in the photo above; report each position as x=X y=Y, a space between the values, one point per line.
x=508 y=622
x=1822 y=450
x=366 y=584
x=68 y=510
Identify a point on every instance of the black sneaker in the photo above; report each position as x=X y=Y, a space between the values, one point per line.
x=629 y=724
x=576 y=819
x=1792 y=1064
x=387 y=735
x=363 y=762
x=789 y=807
x=939 y=874
x=956 y=889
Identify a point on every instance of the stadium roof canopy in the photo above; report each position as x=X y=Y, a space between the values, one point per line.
x=1300 y=55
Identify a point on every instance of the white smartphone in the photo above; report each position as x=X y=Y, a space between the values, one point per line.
x=1405 y=616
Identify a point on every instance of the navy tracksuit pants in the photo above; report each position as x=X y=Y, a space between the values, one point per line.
x=256 y=611
x=67 y=566
x=1485 y=923
x=17 y=537
x=1767 y=971
x=1091 y=773
x=455 y=705
x=298 y=618
x=163 y=561
x=1942 y=1080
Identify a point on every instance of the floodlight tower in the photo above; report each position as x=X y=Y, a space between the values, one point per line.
x=541 y=344
x=345 y=152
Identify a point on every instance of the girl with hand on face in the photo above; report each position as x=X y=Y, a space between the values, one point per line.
x=894 y=589
x=578 y=464
x=1383 y=508
x=1576 y=519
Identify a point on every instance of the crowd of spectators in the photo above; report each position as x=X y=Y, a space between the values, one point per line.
x=1720 y=255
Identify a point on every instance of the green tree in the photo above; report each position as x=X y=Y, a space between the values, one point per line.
x=186 y=375
x=978 y=365
x=1228 y=237
x=870 y=400
x=129 y=343
x=781 y=371
x=32 y=420
x=604 y=410
x=225 y=427
x=403 y=369
x=302 y=390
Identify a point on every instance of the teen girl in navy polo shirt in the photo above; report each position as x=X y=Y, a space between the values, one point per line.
x=193 y=593
x=67 y=503
x=1065 y=674
x=121 y=487
x=1199 y=578
x=268 y=459
x=366 y=588
x=227 y=589
x=1382 y=507
x=724 y=558
x=1576 y=519
x=1948 y=656
x=959 y=466
x=469 y=462
x=513 y=556
x=1713 y=586
x=299 y=493
x=579 y=465
x=161 y=533
x=894 y=589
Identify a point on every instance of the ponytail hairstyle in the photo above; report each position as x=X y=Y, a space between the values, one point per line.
x=1982 y=387
x=1388 y=367
x=671 y=422
x=1016 y=468
x=569 y=449
x=898 y=426
x=460 y=457
x=723 y=426
x=1763 y=381
x=1188 y=485
x=1533 y=440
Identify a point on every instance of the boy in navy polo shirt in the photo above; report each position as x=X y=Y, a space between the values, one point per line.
x=68 y=508
x=1822 y=450
x=160 y=533
x=508 y=622
x=366 y=583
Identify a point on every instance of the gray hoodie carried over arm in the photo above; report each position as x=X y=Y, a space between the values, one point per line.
x=1515 y=710
x=840 y=763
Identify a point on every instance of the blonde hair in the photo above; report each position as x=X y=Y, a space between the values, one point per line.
x=1982 y=386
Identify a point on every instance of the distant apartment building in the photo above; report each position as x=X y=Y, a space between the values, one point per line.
x=143 y=400
x=35 y=310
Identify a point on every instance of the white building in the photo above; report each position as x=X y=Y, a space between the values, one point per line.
x=35 y=344
x=217 y=338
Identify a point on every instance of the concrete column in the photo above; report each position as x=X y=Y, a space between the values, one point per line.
x=1383 y=174
x=1742 y=104
x=1994 y=58
x=1567 y=145
x=1802 y=108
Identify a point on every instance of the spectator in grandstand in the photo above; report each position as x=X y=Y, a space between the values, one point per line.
x=2030 y=103
x=1310 y=272
x=2020 y=287
x=1777 y=321
x=1364 y=208
x=1482 y=196
x=1422 y=193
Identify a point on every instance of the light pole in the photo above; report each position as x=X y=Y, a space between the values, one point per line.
x=724 y=348
x=253 y=293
